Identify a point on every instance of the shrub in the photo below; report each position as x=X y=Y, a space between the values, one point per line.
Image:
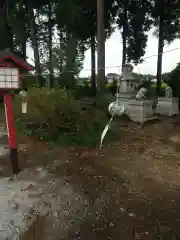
x=28 y=81
x=163 y=85
x=104 y=101
x=83 y=91
x=55 y=116
x=162 y=89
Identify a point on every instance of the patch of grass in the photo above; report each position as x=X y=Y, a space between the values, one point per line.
x=55 y=116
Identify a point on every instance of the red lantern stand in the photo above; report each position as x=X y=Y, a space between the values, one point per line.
x=10 y=67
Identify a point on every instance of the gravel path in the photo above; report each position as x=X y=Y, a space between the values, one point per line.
x=129 y=190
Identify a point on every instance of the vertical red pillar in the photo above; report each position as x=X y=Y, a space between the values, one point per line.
x=11 y=133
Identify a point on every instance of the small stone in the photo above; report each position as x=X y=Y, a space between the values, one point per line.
x=17 y=230
x=111 y=224
x=132 y=215
x=122 y=210
x=1 y=169
x=26 y=216
x=14 y=205
x=137 y=236
x=56 y=214
x=23 y=148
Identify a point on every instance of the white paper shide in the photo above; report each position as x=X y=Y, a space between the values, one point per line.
x=23 y=95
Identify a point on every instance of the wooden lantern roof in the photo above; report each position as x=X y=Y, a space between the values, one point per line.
x=9 y=58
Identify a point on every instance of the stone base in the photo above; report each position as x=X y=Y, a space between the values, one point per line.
x=140 y=110
x=167 y=106
x=124 y=99
x=124 y=102
x=126 y=95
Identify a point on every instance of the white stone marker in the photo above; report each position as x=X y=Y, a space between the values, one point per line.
x=140 y=110
x=23 y=95
x=168 y=105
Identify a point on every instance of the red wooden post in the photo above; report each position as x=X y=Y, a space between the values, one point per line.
x=10 y=68
x=11 y=133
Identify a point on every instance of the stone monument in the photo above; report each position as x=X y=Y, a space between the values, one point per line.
x=128 y=84
x=135 y=104
x=140 y=108
x=168 y=105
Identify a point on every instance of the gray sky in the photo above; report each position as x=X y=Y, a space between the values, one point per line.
x=114 y=56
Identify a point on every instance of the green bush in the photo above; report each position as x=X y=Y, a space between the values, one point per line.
x=162 y=89
x=83 y=91
x=28 y=81
x=104 y=101
x=55 y=116
x=174 y=80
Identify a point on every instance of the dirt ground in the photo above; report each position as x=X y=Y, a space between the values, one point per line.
x=129 y=190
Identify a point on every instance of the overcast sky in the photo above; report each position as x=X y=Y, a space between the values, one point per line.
x=114 y=56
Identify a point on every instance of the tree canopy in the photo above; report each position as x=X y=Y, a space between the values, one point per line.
x=64 y=30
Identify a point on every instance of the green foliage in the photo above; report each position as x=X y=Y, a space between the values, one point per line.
x=55 y=116
x=174 y=80
x=83 y=91
x=139 y=25
x=79 y=17
x=167 y=10
x=75 y=22
x=28 y=81
x=133 y=18
x=21 y=32
x=162 y=89
x=36 y=4
x=104 y=101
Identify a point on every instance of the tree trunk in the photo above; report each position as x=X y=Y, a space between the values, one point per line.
x=101 y=45
x=50 y=33
x=160 y=53
x=24 y=52
x=35 y=45
x=71 y=53
x=6 y=36
x=124 y=38
x=93 y=64
x=61 y=48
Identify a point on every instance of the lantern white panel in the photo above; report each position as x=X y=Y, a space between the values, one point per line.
x=15 y=85
x=2 y=78
x=9 y=78
x=2 y=71
x=15 y=78
x=8 y=71
x=14 y=71
x=2 y=85
x=8 y=85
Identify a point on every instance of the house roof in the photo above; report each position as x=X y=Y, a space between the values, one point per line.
x=112 y=75
x=7 y=56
